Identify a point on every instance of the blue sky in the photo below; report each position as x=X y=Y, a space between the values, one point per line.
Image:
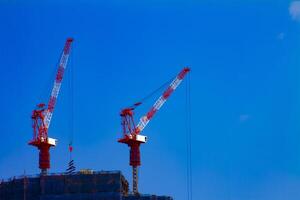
x=244 y=86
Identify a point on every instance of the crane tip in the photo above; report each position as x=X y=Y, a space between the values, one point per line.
x=187 y=68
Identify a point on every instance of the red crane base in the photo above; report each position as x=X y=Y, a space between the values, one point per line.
x=135 y=154
x=44 y=155
x=134 y=145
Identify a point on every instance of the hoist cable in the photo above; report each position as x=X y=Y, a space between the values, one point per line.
x=71 y=104
x=189 y=139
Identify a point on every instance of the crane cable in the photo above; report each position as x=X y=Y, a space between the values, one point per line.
x=46 y=85
x=145 y=98
x=156 y=90
x=71 y=167
x=189 y=171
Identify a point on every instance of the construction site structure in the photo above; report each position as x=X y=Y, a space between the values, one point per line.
x=131 y=132
x=41 y=117
x=82 y=185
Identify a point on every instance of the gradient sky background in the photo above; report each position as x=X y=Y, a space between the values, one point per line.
x=245 y=91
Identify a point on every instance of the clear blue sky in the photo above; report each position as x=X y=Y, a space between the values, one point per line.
x=245 y=90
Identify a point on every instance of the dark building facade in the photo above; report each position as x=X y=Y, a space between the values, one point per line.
x=83 y=185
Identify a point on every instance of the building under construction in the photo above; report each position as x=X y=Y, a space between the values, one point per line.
x=83 y=185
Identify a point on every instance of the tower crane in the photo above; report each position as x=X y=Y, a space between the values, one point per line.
x=42 y=115
x=131 y=132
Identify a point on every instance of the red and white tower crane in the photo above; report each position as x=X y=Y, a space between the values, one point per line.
x=41 y=117
x=131 y=132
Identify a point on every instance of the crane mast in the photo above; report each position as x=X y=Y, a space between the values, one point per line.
x=41 y=116
x=131 y=132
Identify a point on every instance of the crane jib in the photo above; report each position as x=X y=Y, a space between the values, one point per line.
x=161 y=100
x=57 y=83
